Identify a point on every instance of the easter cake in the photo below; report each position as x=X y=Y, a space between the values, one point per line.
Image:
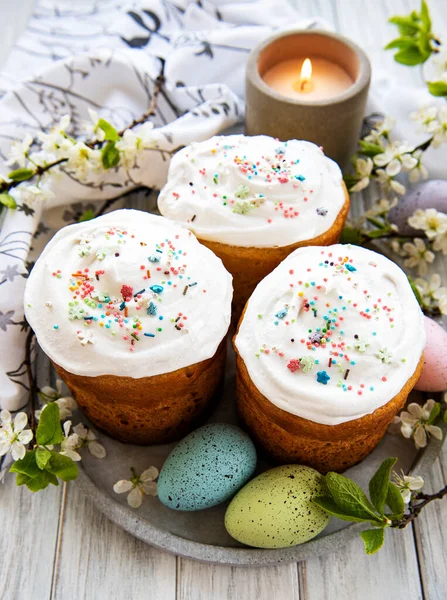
x=253 y=200
x=133 y=311
x=329 y=346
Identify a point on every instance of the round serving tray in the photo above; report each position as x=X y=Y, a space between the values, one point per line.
x=201 y=535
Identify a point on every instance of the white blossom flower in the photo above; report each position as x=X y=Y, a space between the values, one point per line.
x=395 y=246
x=397 y=156
x=431 y=221
x=31 y=194
x=439 y=64
x=18 y=153
x=70 y=443
x=442 y=305
x=408 y=484
x=13 y=435
x=129 y=145
x=427 y=117
x=414 y=423
x=363 y=167
x=83 y=161
x=419 y=171
x=440 y=133
x=431 y=291
x=66 y=403
x=382 y=129
x=419 y=256
x=389 y=183
x=138 y=485
x=440 y=243
x=381 y=208
x=88 y=438
x=57 y=142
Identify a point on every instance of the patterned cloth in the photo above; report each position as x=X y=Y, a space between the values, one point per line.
x=102 y=56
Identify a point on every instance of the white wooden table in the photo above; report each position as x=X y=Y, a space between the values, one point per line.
x=55 y=544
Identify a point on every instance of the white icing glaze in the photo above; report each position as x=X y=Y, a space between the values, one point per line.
x=288 y=192
x=192 y=309
x=369 y=297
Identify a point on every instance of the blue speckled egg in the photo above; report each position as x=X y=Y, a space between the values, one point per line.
x=206 y=468
x=428 y=194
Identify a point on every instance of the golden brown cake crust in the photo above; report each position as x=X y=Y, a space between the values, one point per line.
x=288 y=438
x=149 y=410
x=249 y=265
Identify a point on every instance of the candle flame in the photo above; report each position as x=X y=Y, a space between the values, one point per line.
x=306 y=71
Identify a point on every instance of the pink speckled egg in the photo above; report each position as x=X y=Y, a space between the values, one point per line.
x=434 y=372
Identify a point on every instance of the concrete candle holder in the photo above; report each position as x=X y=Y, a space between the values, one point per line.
x=333 y=123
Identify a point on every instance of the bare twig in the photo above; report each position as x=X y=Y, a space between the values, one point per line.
x=31 y=380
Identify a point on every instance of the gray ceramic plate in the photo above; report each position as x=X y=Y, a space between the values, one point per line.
x=201 y=535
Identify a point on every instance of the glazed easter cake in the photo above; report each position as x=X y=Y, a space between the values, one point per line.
x=253 y=200
x=328 y=348
x=133 y=311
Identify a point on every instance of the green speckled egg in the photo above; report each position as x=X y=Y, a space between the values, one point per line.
x=274 y=510
x=207 y=467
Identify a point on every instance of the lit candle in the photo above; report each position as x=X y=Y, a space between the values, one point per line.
x=308 y=79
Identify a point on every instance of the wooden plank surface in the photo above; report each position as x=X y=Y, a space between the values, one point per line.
x=56 y=544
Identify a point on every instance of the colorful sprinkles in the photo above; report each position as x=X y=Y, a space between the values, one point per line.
x=122 y=311
x=330 y=335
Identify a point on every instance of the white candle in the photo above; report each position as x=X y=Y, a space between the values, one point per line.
x=289 y=78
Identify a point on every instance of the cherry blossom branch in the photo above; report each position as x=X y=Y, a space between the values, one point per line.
x=5 y=186
x=415 y=510
x=159 y=81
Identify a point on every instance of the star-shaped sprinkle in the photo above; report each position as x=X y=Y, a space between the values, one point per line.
x=322 y=377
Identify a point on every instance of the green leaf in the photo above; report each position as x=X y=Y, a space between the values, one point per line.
x=402 y=42
x=42 y=457
x=410 y=57
x=378 y=486
x=111 y=133
x=42 y=481
x=49 y=430
x=437 y=88
x=350 y=235
x=329 y=506
x=416 y=292
x=377 y=233
x=62 y=466
x=27 y=465
x=350 y=497
x=406 y=25
x=21 y=174
x=110 y=156
x=445 y=416
x=423 y=42
x=434 y=413
x=7 y=200
x=425 y=16
x=373 y=539
x=88 y=215
x=22 y=479
x=370 y=149
x=395 y=501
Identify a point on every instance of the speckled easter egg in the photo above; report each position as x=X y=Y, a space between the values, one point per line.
x=275 y=510
x=207 y=467
x=434 y=372
x=428 y=194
